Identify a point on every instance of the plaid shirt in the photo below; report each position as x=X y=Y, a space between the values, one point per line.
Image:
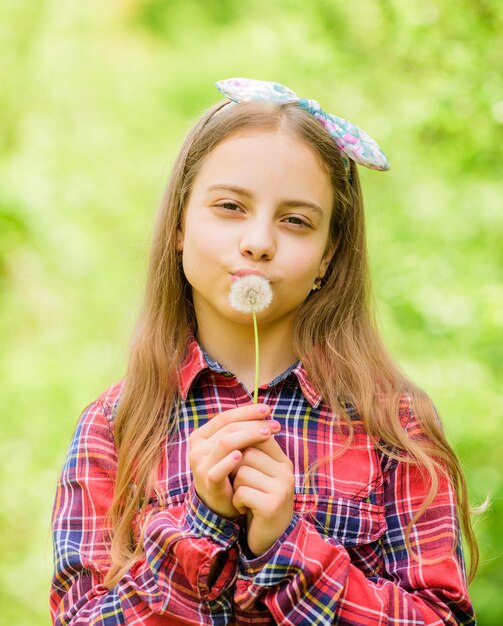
x=342 y=560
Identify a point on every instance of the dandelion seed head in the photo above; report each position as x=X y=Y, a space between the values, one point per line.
x=250 y=294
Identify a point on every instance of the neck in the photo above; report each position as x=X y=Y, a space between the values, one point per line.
x=233 y=346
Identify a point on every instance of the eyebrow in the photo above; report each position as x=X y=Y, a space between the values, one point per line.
x=248 y=194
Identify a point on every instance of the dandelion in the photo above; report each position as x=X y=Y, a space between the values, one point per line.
x=251 y=294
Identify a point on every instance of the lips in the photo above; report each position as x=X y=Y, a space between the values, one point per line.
x=247 y=272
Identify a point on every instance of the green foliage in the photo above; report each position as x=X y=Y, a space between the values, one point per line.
x=95 y=99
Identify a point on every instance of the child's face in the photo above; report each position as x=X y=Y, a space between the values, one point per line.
x=261 y=202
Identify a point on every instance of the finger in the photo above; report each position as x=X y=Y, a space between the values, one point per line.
x=272 y=448
x=219 y=472
x=239 y=414
x=250 y=477
x=236 y=440
x=231 y=437
x=261 y=461
x=248 y=498
x=241 y=508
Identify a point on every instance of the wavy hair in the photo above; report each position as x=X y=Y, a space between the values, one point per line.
x=335 y=337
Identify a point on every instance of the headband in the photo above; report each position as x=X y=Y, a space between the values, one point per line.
x=351 y=140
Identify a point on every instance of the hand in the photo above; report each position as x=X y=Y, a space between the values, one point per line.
x=215 y=451
x=263 y=488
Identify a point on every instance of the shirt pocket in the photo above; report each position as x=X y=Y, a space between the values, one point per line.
x=352 y=522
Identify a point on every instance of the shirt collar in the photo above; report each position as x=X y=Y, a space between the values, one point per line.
x=196 y=360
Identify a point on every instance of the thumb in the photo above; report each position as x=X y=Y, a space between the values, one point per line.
x=239 y=505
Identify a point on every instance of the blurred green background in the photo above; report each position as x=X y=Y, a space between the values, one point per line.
x=95 y=98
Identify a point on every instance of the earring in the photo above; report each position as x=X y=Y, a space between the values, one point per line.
x=316 y=284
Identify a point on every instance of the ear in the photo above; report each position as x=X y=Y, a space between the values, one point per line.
x=179 y=240
x=328 y=256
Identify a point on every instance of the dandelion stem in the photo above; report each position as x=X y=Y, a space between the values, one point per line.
x=255 y=330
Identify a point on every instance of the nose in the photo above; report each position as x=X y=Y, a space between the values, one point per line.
x=257 y=241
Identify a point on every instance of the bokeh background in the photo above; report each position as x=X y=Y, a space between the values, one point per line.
x=95 y=98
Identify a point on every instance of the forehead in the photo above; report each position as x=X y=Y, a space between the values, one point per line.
x=275 y=160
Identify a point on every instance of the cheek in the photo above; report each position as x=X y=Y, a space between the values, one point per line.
x=304 y=267
x=201 y=256
x=194 y=245
x=189 y=266
x=296 y=288
x=205 y=237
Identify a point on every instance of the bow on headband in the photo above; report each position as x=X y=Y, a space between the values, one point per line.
x=351 y=140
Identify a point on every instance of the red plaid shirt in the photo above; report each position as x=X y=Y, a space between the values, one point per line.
x=342 y=560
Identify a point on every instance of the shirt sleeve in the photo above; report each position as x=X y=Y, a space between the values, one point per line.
x=305 y=578
x=182 y=546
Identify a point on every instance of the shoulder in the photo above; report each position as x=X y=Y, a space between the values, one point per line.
x=419 y=417
x=96 y=419
x=105 y=403
x=406 y=413
x=407 y=418
x=109 y=399
x=93 y=441
x=410 y=407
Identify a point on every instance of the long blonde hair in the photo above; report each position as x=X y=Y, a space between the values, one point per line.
x=335 y=335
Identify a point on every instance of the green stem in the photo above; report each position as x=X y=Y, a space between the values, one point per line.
x=255 y=330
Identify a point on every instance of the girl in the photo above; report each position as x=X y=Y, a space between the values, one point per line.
x=336 y=498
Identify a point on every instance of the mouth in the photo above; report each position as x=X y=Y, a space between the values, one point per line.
x=245 y=272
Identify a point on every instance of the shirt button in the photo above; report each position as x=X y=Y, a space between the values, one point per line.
x=228 y=531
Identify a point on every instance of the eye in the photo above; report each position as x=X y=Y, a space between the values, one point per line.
x=296 y=220
x=230 y=206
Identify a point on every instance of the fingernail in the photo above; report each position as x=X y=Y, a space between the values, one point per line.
x=263 y=409
x=265 y=431
x=275 y=425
